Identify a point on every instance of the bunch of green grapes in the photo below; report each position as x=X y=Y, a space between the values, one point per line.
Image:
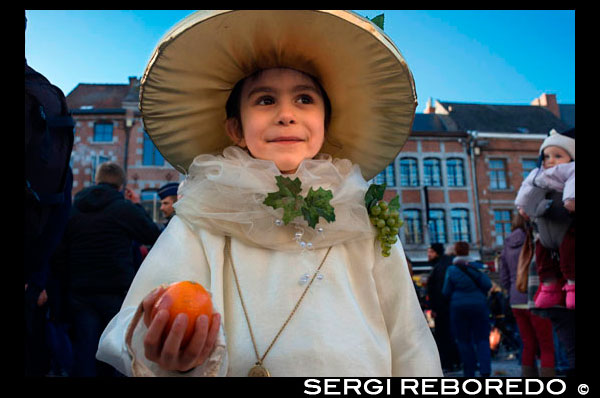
x=388 y=223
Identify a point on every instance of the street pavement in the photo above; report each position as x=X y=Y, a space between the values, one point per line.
x=502 y=366
x=506 y=367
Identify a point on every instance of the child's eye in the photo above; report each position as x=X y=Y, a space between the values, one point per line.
x=305 y=99
x=265 y=100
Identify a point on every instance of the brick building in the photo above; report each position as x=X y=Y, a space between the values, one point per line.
x=109 y=128
x=434 y=181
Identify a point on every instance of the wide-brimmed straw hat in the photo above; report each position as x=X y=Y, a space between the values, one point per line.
x=195 y=66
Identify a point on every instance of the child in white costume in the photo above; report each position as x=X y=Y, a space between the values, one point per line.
x=292 y=300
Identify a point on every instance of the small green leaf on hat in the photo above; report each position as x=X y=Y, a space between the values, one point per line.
x=378 y=20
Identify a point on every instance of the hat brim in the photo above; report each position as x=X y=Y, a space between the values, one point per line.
x=198 y=62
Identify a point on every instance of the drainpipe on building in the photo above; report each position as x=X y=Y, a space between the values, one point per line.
x=427 y=216
x=128 y=125
x=471 y=152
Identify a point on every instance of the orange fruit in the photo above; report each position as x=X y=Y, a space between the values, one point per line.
x=185 y=297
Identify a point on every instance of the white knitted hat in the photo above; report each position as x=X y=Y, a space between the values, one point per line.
x=559 y=140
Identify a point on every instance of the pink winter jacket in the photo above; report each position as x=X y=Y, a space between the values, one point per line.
x=559 y=178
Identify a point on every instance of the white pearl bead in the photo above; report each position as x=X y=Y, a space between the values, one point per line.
x=304 y=279
x=279 y=222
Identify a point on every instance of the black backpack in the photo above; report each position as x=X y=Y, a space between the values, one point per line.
x=49 y=134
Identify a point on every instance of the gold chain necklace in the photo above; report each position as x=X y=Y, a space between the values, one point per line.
x=258 y=370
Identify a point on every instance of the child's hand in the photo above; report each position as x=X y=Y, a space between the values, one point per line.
x=168 y=354
x=570 y=205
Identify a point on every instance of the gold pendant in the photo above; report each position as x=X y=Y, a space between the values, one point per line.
x=259 y=371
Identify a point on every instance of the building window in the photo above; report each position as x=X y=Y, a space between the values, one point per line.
x=528 y=165
x=409 y=174
x=413 y=230
x=387 y=176
x=390 y=176
x=456 y=172
x=437 y=226
x=151 y=203
x=502 y=224
x=103 y=132
x=151 y=155
x=498 y=174
x=460 y=225
x=432 y=175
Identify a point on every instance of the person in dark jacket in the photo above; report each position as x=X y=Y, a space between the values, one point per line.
x=467 y=289
x=535 y=331
x=48 y=139
x=97 y=250
x=440 y=307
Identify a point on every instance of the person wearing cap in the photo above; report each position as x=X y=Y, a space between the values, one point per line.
x=242 y=99
x=168 y=197
x=548 y=196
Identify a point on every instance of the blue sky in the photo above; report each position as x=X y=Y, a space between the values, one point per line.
x=486 y=56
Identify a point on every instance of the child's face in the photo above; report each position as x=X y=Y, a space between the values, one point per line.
x=282 y=115
x=554 y=155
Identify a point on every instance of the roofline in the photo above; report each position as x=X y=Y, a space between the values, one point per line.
x=511 y=135
x=496 y=104
x=439 y=134
x=95 y=84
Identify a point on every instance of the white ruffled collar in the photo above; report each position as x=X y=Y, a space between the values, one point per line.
x=224 y=194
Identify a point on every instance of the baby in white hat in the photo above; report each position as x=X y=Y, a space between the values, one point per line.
x=556 y=174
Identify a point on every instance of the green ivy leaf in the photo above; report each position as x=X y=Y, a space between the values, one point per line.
x=374 y=194
x=395 y=203
x=289 y=187
x=287 y=198
x=317 y=205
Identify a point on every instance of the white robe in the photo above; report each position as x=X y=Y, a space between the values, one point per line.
x=362 y=319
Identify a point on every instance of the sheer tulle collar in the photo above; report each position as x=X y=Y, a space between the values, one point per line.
x=224 y=194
